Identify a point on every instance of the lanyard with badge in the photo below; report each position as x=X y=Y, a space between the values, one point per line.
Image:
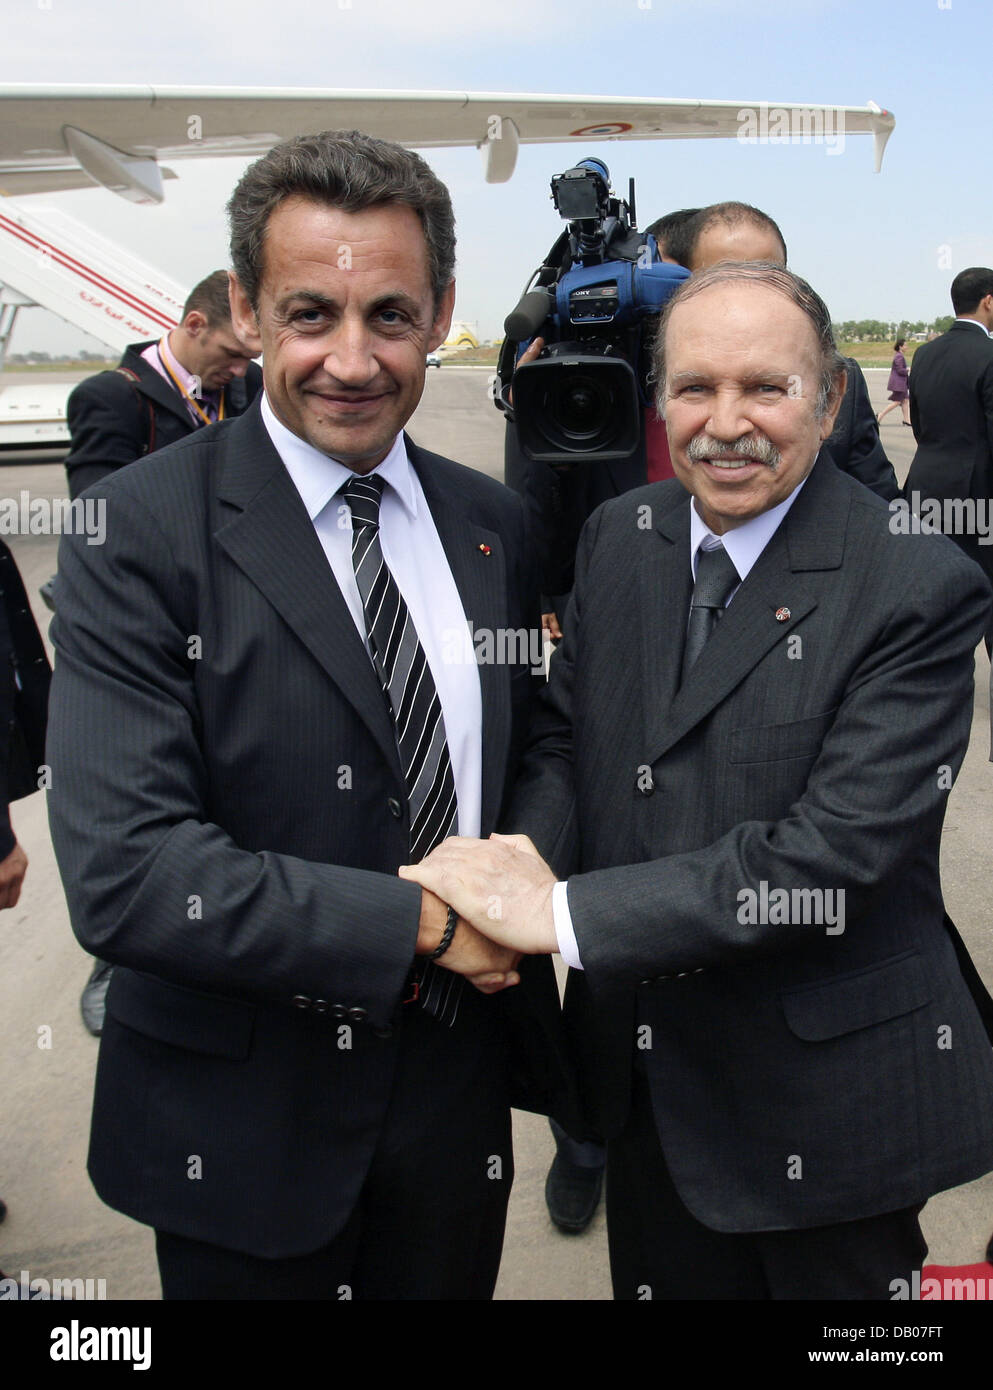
x=190 y=400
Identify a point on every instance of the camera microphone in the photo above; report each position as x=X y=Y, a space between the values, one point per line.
x=526 y=319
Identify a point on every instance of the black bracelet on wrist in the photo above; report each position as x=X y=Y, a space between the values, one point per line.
x=446 y=939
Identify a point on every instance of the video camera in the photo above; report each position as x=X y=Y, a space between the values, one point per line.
x=592 y=301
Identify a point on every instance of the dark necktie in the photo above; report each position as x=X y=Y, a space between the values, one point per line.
x=409 y=687
x=716 y=578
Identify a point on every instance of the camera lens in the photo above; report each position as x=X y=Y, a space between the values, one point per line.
x=574 y=405
x=580 y=408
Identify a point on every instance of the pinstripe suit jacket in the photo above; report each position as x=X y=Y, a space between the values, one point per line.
x=228 y=818
x=800 y=1076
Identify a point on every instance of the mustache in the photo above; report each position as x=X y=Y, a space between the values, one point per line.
x=749 y=446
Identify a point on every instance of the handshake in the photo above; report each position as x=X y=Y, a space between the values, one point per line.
x=501 y=889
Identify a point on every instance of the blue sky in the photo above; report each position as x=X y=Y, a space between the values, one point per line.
x=882 y=246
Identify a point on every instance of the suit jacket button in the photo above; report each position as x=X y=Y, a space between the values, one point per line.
x=338 y=1011
x=396 y=810
x=358 y=1015
x=320 y=1006
x=300 y=1001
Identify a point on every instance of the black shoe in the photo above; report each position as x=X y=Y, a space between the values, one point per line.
x=572 y=1194
x=93 y=999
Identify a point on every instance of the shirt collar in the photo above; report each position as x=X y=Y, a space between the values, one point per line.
x=186 y=379
x=743 y=543
x=317 y=477
x=981 y=326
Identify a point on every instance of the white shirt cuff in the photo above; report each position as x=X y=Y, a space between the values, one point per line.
x=564 y=934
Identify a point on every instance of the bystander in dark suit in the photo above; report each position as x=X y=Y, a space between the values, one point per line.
x=24 y=682
x=161 y=392
x=739 y=779
x=233 y=802
x=951 y=410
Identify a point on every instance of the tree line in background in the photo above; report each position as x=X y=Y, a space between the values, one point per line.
x=873 y=331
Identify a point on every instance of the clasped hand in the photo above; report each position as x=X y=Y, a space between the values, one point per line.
x=502 y=890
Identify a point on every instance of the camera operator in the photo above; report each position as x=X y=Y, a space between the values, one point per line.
x=590 y=315
x=673 y=235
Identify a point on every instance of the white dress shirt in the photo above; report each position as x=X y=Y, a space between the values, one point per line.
x=744 y=544
x=416 y=558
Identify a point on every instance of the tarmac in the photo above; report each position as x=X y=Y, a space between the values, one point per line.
x=58 y=1228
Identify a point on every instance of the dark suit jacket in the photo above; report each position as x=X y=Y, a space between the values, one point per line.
x=229 y=815
x=559 y=503
x=113 y=420
x=24 y=681
x=951 y=410
x=808 y=749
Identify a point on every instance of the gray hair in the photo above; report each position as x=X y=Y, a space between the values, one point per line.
x=777 y=278
x=343 y=169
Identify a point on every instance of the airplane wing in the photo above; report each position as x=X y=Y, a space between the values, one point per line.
x=62 y=136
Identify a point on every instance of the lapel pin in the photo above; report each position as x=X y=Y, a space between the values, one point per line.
x=782 y=615
x=484 y=548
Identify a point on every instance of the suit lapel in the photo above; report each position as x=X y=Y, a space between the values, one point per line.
x=476 y=558
x=665 y=586
x=811 y=537
x=267 y=532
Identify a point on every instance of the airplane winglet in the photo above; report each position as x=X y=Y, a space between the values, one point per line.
x=499 y=149
x=882 y=128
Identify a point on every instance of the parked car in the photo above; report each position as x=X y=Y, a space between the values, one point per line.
x=434 y=359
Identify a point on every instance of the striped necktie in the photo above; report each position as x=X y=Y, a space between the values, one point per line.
x=716 y=579
x=409 y=687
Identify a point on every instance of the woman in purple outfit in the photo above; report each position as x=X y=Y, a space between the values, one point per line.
x=897 y=385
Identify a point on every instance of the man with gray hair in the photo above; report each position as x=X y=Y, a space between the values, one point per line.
x=738 y=782
x=307 y=1064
